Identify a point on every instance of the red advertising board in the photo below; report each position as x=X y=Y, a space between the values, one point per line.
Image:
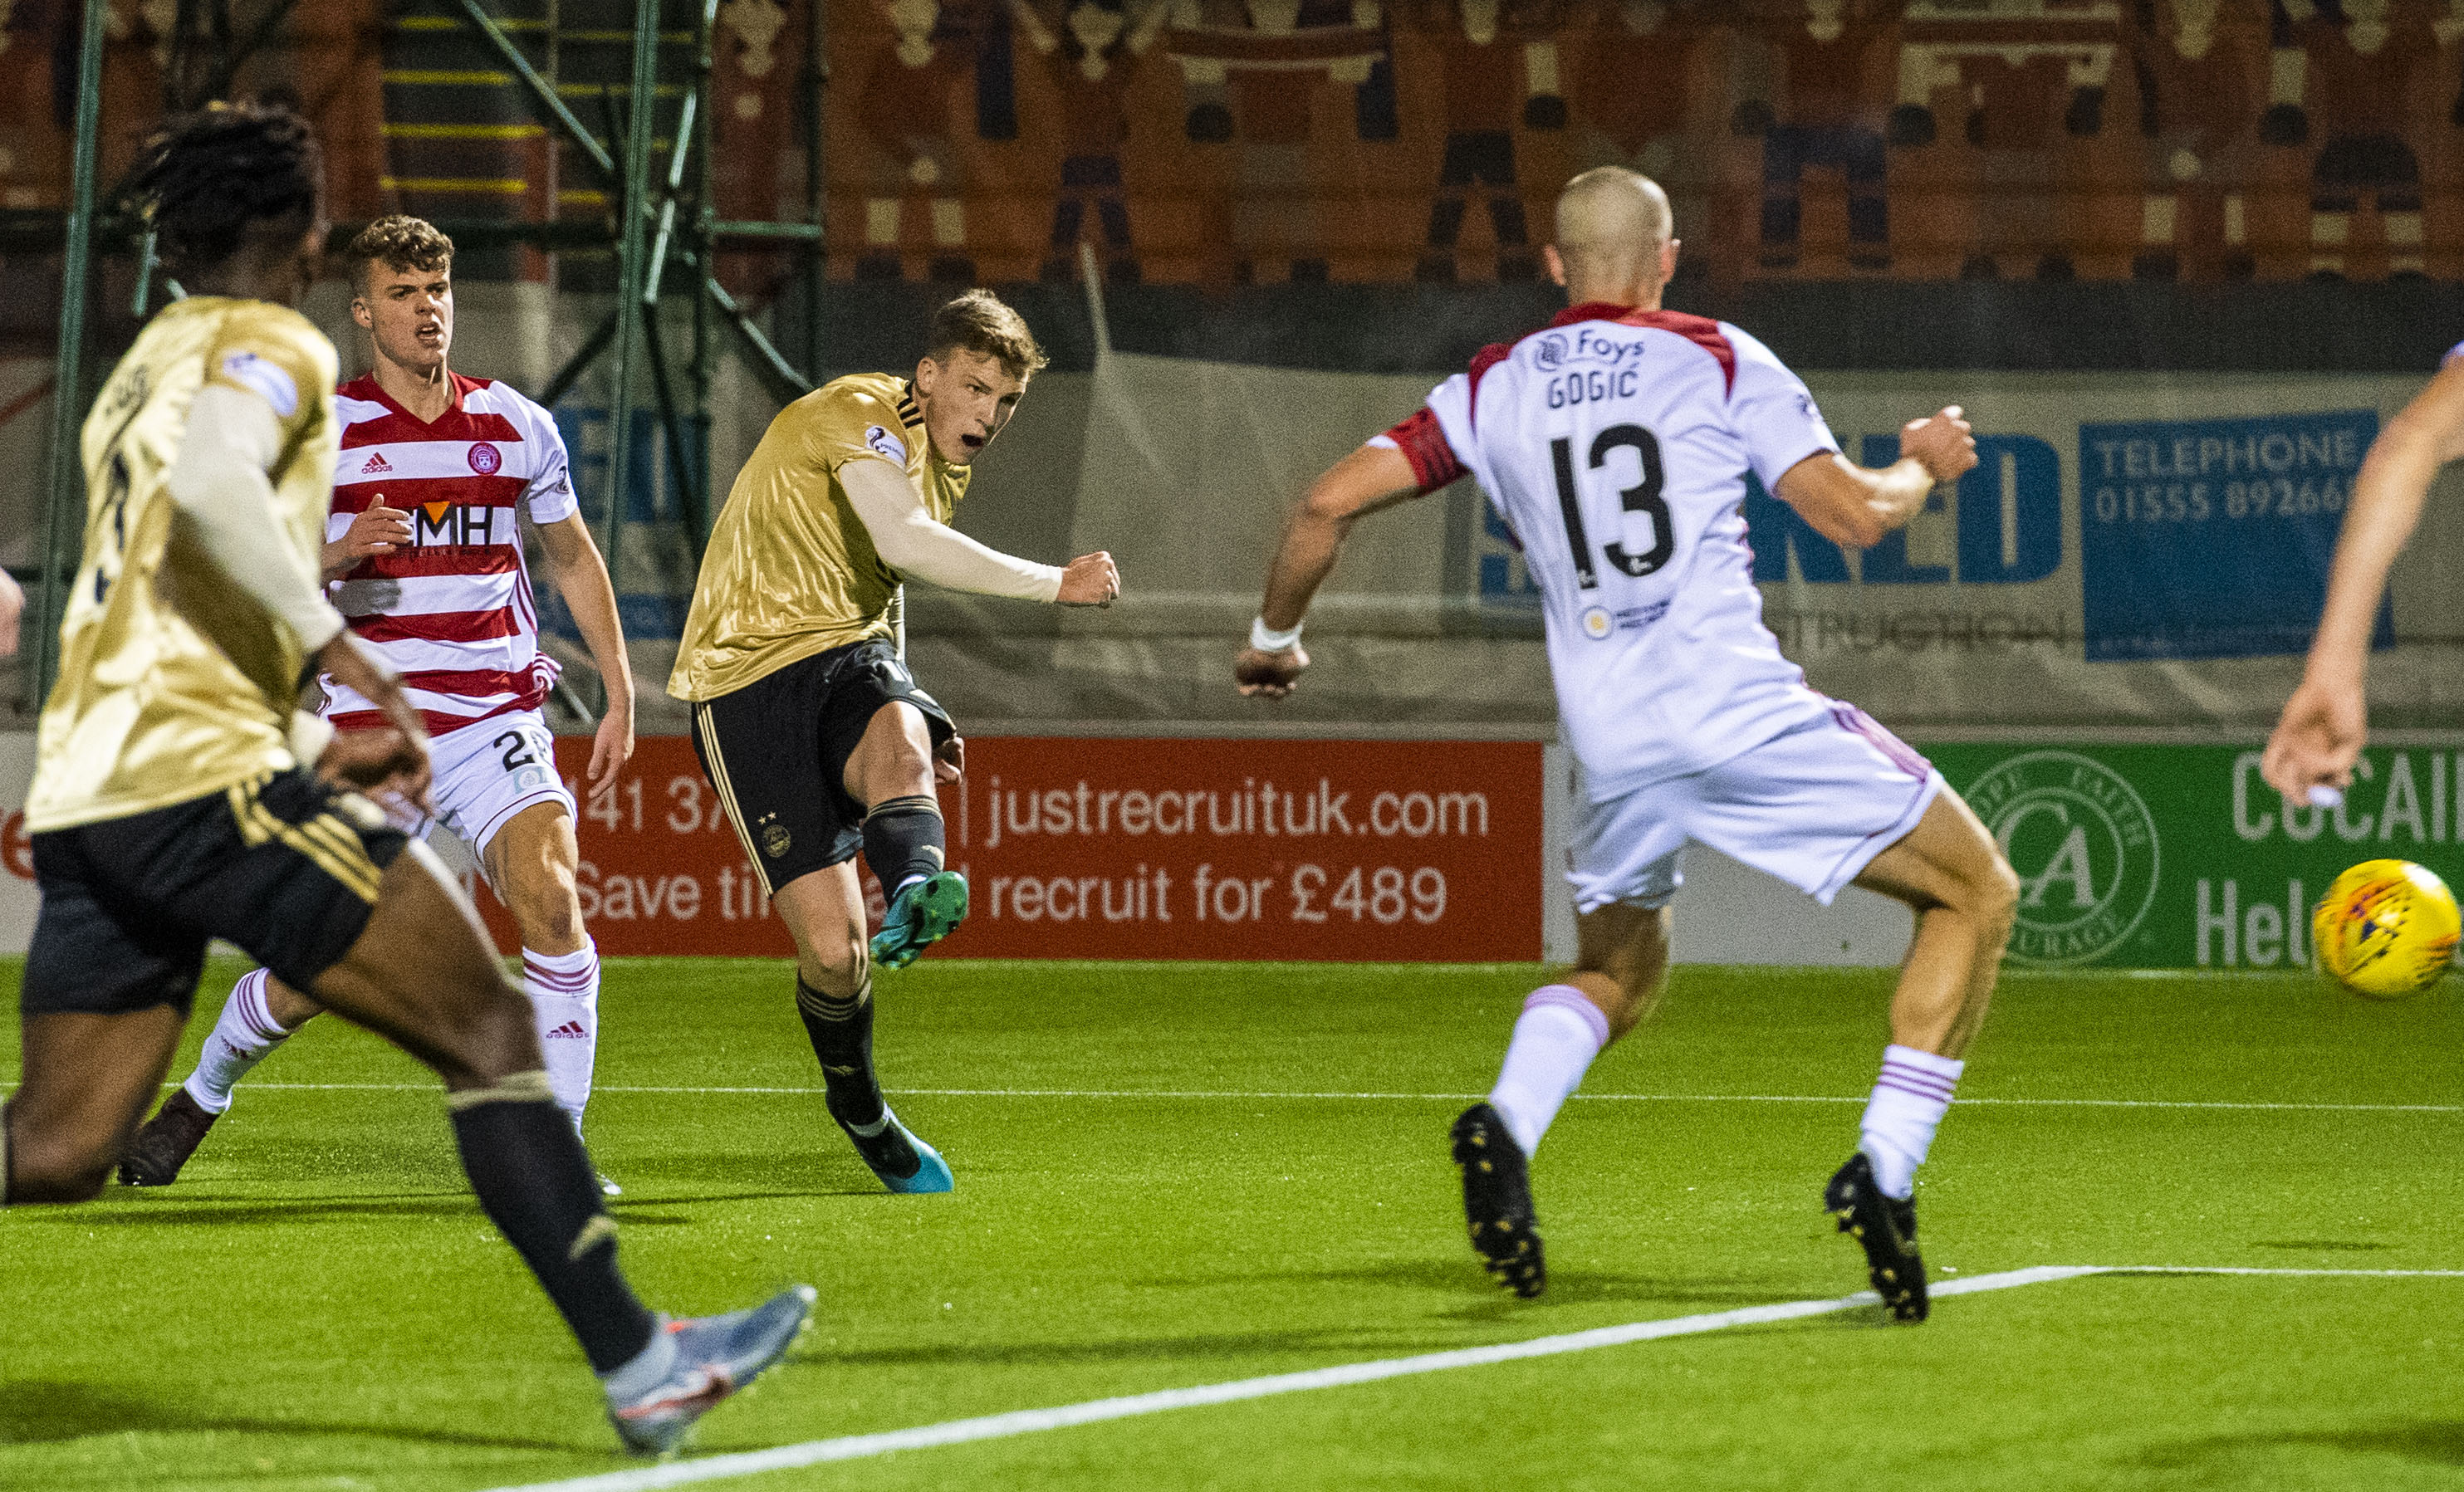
x=1107 y=848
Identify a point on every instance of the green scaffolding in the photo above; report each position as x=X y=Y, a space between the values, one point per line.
x=663 y=230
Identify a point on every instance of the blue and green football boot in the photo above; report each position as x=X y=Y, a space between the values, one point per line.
x=924 y=911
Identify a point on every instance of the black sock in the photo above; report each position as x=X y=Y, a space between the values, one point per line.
x=904 y=838
x=841 y=1028
x=535 y=1183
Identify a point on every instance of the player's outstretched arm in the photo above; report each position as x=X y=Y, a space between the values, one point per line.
x=582 y=579
x=2326 y=720
x=912 y=541
x=1370 y=478
x=1853 y=506
x=219 y=487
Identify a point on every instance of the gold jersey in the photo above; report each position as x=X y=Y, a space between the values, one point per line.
x=174 y=683
x=791 y=570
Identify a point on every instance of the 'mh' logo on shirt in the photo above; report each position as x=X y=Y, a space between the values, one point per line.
x=377 y=463
x=454 y=524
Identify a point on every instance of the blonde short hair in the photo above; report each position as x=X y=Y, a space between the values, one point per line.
x=983 y=323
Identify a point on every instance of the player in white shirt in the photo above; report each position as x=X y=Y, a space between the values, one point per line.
x=1617 y=443
x=425 y=555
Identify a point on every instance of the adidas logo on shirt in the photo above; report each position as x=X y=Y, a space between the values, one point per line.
x=572 y=1028
x=376 y=463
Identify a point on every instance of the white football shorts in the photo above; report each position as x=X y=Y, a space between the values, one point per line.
x=1813 y=807
x=484 y=774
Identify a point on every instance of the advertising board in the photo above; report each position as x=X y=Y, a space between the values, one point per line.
x=1117 y=849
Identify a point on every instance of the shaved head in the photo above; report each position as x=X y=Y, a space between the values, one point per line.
x=1614 y=233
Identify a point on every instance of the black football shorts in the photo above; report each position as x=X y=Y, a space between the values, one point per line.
x=777 y=752
x=284 y=866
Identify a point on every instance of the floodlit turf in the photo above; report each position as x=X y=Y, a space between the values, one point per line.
x=319 y=1304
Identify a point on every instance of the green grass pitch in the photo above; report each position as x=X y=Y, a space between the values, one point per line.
x=319 y=1304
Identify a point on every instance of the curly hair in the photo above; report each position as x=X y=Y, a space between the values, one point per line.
x=983 y=324
x=207 y=182
x=398 y=241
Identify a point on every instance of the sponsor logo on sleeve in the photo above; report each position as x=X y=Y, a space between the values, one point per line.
x=882 y=443
x=251 y=372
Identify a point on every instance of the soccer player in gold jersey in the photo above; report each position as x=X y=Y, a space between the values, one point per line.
x=818 y=741
x=174 y=799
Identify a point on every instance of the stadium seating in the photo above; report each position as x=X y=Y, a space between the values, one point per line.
x=1258 y=142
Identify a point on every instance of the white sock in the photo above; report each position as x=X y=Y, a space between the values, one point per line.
x=564 y=1004
x=1556 y=1037
x=1909 y=1100
x=243 y=1035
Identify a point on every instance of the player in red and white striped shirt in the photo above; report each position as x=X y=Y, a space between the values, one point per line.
x=424 y=545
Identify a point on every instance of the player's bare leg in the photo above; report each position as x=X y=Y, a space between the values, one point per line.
x=87 y=1080
x=423 y=976
x=824 y=911
x=1620 y=967
x=905 y=842
x=1948 y=871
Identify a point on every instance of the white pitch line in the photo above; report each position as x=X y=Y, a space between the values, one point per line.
x=1031 y=1421
x=2311 y=1274
x=1623 y=1098
x=1246 y=1096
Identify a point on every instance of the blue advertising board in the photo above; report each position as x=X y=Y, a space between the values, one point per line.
x=2210 y=538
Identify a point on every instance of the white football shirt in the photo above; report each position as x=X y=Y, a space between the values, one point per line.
x=1616 y=444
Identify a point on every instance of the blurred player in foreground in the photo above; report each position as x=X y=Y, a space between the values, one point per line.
x=816 y=737
x=173 y=801
x=424 y=540
x=1617 y=443
x=2311 y=754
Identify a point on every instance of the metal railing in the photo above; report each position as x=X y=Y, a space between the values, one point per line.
x=658 y=218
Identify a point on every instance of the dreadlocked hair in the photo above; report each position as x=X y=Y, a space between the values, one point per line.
x=208 y=181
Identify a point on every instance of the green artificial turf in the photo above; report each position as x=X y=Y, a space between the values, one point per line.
x=319 y=1304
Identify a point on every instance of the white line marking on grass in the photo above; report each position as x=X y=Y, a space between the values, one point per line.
x=1629 y=1098
x=1246 y=1096
x=2311 y=1274
x=1030 y=1421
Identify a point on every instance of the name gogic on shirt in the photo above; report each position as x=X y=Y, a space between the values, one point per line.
x=1616 y=444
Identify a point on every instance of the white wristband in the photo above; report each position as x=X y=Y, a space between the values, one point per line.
x=1267 y=639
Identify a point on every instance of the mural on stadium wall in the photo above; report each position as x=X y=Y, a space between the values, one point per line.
x=1233 y=142
x=1219 y=141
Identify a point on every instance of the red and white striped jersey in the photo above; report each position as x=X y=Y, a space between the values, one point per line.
x=452 y=611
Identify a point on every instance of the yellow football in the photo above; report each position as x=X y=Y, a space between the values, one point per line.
x=2386 y=928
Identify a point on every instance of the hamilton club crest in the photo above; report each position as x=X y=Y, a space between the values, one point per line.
x=485 y=459
x=2084 y=845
